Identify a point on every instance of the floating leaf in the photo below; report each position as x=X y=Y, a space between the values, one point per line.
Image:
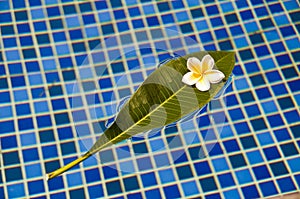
x=161 y=99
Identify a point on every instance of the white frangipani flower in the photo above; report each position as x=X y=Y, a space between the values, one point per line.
x=202 y=73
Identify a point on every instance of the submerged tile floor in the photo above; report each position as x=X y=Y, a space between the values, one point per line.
x=48 y=48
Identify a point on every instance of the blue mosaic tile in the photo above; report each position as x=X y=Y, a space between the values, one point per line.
x=61 y=35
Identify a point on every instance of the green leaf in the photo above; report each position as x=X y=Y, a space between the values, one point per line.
x=162 y=99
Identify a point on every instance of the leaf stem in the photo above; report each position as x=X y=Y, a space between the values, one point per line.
x=68 y=166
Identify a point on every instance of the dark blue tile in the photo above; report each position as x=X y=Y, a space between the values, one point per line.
x=278 y=168
x=3 y=83
x=294 y=85
x=250 y=192
x=13 y=174
x=46 y=51
x=76 y=34
x=246 y=54
x=77 y=193
x=262 y=51
x=278 y=47
x=271 y=153
x=101 y=5
x=9 y=42
x=152 y=21
x=21 y=16
x=206 y=37
x=285 y=103
x=236 y=30
x=110 y=172
x=248 y=142
x=119 y=14
x=30 y=155
x=88 y=19
x=275 y=120
x=221 y=33
x=283 y=60
x=55 y=183
x=237 y=160
x=186 y=28
x=168 y=18
x=286 y=184
x=35 y=3
x=8 y=142
x=236 y=114
x=148 y=179
x=275 y=8
x=61 y=118
x=107 y=29
x=261 y=11
x=56 y=24
x=184 y=172
x=226 y=180
x=202 y=168
x=172 y=191
x=113 y=187
x=7 y=30
x=289 y=149
x=116 y=3
x=5 y=17
x=85 y=7
x=287 y=31
x=134 y=196
x=92 y=175
x=19 y=4
x=140 y=148
x=231 y=18
x=53 y=11
x=50 y=152
x=68 y=148
x=46 y=136
x=258 y=124
x=131 y=183
x=123 y=26
x=242 y=4
x=231 y=146
x=25 y=124
x=208 y=184
x=134 y=11
x=292 y=116
x=11 y=158
x=268 y=188
x=212 y=10
x=95 y=191
x=263 y=93
x=69 y=9
x=242 y=127
x=163 y=6
x=43 y=39
x=289 y=72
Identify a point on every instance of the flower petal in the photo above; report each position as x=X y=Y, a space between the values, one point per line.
x=214 y=76
x=207 y=63
x=203 y=84
x=191 y=78
x=194 y=64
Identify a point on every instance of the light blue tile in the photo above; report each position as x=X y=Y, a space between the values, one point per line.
x=37 y=13
x=33 y=170
x=220 y=164
x=166 y=176
x=74 y=179
x=16 y=190
x=20 y=95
